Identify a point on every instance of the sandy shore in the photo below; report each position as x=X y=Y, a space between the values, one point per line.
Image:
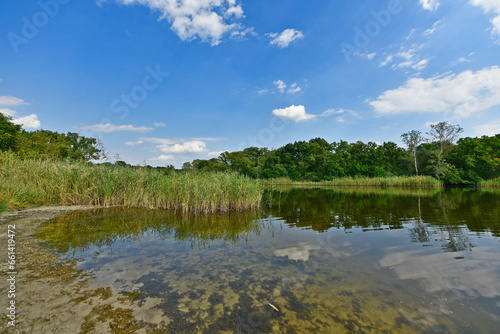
x=53 y=296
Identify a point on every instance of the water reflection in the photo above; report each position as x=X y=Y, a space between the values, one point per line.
x=312 y=260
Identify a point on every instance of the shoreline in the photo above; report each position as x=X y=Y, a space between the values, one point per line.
x=53 y=295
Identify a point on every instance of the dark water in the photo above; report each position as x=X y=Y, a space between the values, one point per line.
x=311 y=261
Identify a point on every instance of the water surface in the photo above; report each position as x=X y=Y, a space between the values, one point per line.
x=311 y=260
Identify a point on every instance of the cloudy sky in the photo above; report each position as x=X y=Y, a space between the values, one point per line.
x=168 y=81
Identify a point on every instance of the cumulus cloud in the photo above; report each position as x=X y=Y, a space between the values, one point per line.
x=490 y=6
x=208 y=20
x=163 y=158
x=159 y=124
x=8 y=112
x=28 y=122
x=463 y=94
x=294 y=113
x=215 y=154
x=283 y=40
x=109 y=128
x=489 y=129
x=299 y=114
x=195 y=146
x=429 y=4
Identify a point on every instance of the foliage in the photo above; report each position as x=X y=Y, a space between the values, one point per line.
x=47 y=144
x=9 y=133
x=469 y=161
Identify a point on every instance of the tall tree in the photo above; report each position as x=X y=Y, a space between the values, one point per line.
x=412 y=140
x=444 y=135
x=9 y=133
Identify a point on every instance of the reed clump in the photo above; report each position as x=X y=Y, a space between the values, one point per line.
x=392 y=181
x=33 y=182
x=490 y=183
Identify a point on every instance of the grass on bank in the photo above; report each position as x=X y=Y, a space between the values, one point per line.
x=393 y=181
x=490 y=183
x=32 y=182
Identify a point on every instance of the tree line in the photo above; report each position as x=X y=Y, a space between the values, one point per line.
x=466 y=161
x=47 y=144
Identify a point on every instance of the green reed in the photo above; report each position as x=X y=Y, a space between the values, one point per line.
x=393 y=181
x=34 y=182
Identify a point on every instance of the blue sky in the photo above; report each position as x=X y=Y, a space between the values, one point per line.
x=169 y=81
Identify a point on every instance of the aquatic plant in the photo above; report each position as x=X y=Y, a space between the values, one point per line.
x=32 y=182
x=393 y=181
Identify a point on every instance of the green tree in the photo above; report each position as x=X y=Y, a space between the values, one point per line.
x=9 y=133
x=444 y=136
x=412 y=140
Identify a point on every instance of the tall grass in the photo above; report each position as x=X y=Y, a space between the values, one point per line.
x=490 y=183
x=393 y=181
x=47 y=182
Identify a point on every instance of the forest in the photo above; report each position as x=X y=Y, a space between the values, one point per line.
x=466 y=161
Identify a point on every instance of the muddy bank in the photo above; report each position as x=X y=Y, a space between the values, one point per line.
x=53 y=296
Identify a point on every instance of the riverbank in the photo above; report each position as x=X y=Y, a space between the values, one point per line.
x=393 y=181
x=52 y=295
x=34 y=182
x=490 y=183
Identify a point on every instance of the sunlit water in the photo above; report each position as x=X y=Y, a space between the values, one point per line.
x=311 y=261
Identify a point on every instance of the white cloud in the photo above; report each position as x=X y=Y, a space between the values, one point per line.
x=284 y=39
x=195 y=146
x=8 y=112
x=280 y=85
x=163 y=158
x=109 y=128
x=235 y=11
x=133 y=143
x=294 y=89
x=463 y=94
x=28 y=122
x=429 y=4
x=436 y=26
x=156 y=140
x=330 y=112
x=8 y=101
x=463 y=59
x=294 y=113
x=366 y=55
x=490 y=6
x=387 y=60
x=489 y=129
x=407 y=59
x=241 y=34
x=159 y=124
x=209 y=139
x=208 y=20
x=215 y=154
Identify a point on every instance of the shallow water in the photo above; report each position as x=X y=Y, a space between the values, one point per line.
x=312 y=260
